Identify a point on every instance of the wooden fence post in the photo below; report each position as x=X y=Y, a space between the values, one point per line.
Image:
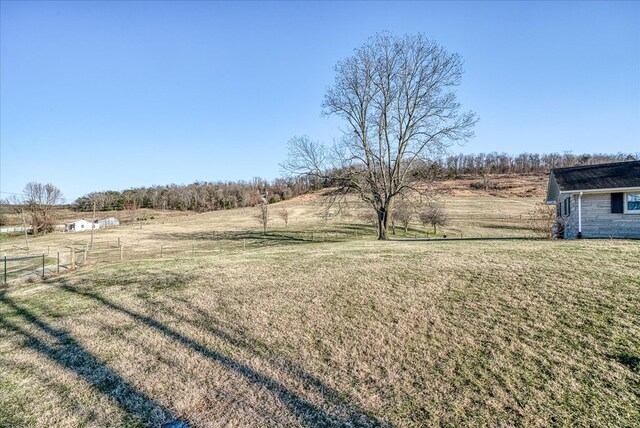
x=121 y=251
x=43 y=265
x=58 y=261
x=73 y=258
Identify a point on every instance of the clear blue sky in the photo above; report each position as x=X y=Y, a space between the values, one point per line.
x=111 y=95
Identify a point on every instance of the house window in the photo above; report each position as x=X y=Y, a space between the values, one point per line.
x=632 y=203
x=567 y=207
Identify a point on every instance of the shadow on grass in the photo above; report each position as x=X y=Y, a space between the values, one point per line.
x=293 y=237
x=268 y=238
x=513 y=238
x=203 y=319
x=61 y=348
x=507 y=227
x=626 y=359
x=311 y=414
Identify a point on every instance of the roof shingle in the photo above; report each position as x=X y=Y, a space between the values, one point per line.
x=602 y=176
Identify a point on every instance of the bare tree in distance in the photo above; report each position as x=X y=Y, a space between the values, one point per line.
x=283 y=213
x=396 y=95
x=403 y=212
x=434 y=215
x=263 y=216
x=39 y=201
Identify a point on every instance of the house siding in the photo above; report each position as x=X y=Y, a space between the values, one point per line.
x=597 y=219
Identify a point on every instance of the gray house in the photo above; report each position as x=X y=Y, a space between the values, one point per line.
x=597 y=201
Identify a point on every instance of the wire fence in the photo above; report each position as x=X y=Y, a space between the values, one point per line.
x=42 y=265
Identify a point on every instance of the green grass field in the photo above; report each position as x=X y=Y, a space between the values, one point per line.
x=349 y=333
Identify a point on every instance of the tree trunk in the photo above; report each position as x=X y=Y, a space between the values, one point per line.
x=382 y=224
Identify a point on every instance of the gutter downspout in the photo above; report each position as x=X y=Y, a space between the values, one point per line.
x=580 y=215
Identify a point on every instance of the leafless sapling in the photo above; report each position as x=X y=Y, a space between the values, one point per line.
x=263 y=216
x=283 y=213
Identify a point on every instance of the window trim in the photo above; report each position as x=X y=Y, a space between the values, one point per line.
x=625 y=204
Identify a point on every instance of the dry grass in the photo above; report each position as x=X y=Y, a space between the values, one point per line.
x=480 y=215
x=354 y=333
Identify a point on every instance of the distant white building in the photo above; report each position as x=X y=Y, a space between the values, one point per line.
x=107 y=222
x=78 y=226
x=82 y=225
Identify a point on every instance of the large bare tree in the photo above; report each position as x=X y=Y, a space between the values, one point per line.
x=396 y=95
x=39 y=201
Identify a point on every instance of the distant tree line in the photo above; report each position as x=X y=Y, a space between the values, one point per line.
x=211 y=196
x=199 y=196
x=523 y=163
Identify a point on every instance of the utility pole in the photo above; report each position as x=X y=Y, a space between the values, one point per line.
x=93 y=224
x=24 y=226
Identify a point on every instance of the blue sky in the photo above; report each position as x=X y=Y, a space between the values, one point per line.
x=111 y=95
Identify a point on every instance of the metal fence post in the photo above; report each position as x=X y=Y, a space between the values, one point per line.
x=5 y=268
x=43 y=265
x=58 y=261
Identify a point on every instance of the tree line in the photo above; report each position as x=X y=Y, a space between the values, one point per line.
x=199 y=196
x=480 y=164
x=212 y=196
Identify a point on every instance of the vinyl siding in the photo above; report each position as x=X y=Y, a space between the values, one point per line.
x=597 y=219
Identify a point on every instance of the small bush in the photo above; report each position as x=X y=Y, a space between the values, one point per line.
x=543 y=220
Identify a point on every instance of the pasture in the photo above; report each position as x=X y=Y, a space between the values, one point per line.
x=330 y=330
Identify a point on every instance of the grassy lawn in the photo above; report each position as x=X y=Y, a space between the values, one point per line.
x=350 y=333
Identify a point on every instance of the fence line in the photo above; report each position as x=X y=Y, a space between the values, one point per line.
x=21 y=267
x=81 y=251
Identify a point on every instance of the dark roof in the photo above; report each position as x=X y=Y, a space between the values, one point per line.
x=602 y=176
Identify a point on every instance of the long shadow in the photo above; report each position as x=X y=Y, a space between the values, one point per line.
x=234 y=236
x=508 y=227
x=311 y=414
x=239 y=339
x=516 y=238
x=69 y=354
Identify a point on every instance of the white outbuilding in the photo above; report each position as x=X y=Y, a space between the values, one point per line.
x=78 y=226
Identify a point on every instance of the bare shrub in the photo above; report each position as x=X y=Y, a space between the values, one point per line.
x=283 y=213
x=435 y=216
x=544 y=221
x=403 y=212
